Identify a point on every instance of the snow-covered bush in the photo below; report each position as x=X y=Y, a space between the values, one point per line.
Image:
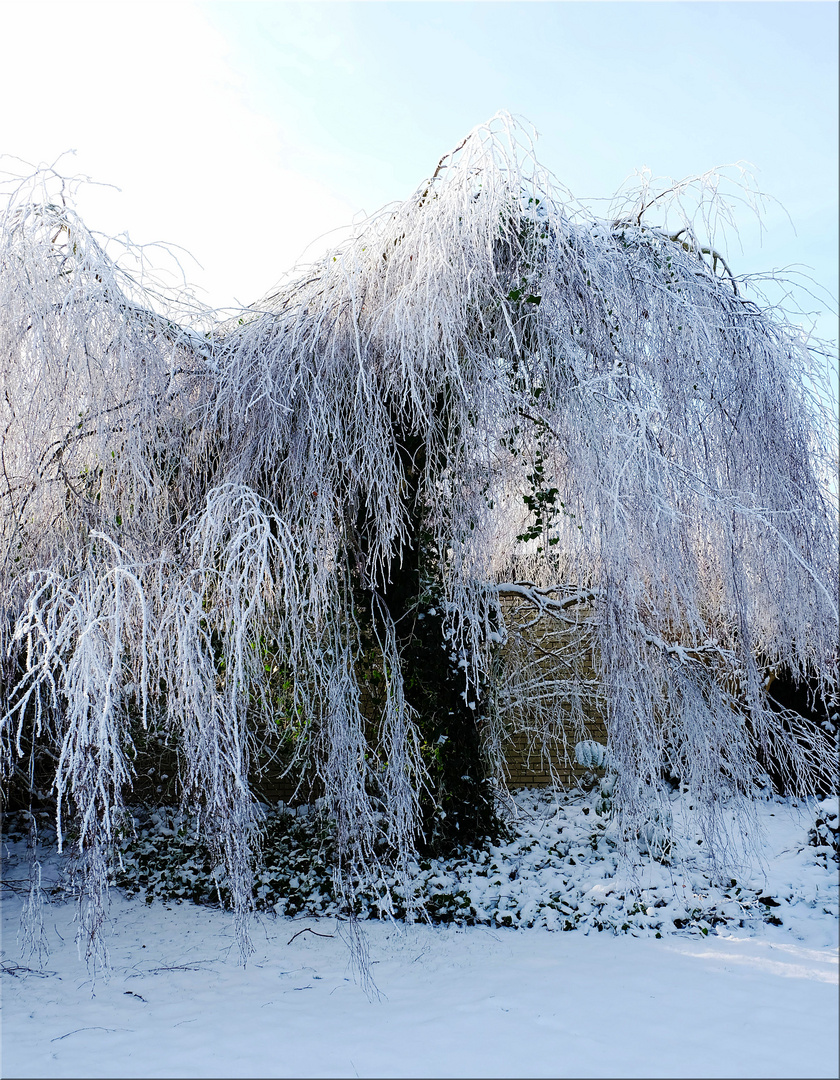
x=652 y=835
x=824 y=834
x=560 y=866
x=591 y=754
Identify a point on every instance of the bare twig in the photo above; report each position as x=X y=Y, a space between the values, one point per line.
x=306 y=930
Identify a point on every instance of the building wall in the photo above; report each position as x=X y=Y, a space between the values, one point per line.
x=528 y=765
x=536 y=750
x=538 y=742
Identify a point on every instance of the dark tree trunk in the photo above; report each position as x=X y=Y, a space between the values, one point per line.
x=459 y=809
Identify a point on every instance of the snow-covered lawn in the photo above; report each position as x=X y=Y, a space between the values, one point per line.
x=751 y=1000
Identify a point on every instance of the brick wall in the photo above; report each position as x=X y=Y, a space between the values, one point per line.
x=529 y=764
x=530 y=759
x=538 y=744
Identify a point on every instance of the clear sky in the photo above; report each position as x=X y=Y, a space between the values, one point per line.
x=244 y=131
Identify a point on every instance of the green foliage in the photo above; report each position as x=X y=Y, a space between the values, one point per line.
x=163 y=858
x=166 y=858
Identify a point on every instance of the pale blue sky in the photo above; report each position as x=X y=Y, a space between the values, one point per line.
x=244 y=130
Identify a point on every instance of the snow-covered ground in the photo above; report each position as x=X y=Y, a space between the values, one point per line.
x=723 y=994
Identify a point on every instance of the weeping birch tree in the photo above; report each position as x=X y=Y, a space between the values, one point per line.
x=487 y=434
